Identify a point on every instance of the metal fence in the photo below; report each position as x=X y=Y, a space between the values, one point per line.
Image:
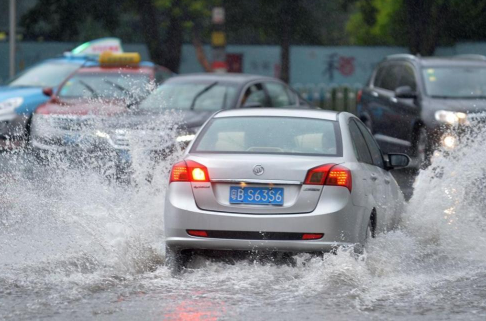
x=330 y=97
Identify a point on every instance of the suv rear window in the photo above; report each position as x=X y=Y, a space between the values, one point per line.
x=270 y=135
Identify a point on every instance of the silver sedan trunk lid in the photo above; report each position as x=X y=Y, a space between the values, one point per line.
x=267 y=171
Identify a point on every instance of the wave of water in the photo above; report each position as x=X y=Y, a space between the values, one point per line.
x=75 y=244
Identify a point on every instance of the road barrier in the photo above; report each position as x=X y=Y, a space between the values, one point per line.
x=330 y=97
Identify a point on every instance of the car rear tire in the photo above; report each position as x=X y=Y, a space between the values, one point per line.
x=176 y=260
x=370 y=229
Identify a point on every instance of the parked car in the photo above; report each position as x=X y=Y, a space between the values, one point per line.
x=22 y=95
x=96 y=91
x=410 y=103
x=280 y=180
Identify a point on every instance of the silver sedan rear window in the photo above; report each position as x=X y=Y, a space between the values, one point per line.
x=270 y=135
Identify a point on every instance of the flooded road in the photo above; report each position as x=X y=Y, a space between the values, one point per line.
x=75 y=246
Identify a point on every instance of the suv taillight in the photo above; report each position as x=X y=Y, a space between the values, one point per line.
x=189 y=171
x=330 y=174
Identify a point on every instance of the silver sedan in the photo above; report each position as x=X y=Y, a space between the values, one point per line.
x=280 y=180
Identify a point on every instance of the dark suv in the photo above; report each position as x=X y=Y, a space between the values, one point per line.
x=410 y=102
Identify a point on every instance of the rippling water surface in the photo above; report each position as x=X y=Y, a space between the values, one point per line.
x=73 y=245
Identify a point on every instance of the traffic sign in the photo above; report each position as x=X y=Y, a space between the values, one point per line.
x=218 y=15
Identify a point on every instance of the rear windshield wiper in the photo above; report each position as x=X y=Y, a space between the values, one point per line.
x=199 y=94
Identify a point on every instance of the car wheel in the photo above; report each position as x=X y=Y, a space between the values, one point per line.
x=176 y=260
x=370 y=229
x=421 y=148
x=369 y=234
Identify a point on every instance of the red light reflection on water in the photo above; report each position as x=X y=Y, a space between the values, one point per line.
x=197 y=310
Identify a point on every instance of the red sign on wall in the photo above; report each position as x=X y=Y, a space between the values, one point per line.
x=234 y=62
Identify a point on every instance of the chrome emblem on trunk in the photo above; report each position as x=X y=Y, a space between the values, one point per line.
x=258 y=170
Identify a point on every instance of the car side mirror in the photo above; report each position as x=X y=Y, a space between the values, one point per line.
x=48 y=91
x=253 y=104
x=398 y=161
x=405 y=92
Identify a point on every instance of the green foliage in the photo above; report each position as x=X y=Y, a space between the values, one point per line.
x=377 y=22
x=466 y=20
x=247 y=22
x=192 y=14
x=259 y=21
x=187 y=10
x=65 y=20
x=419 y=24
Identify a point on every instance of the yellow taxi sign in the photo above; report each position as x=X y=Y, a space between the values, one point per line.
x=108 y=58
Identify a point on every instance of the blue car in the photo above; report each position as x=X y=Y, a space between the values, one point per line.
x=21 y=96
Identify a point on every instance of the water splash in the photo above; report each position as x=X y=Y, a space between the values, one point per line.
x=447 y=209
x=71 y=237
